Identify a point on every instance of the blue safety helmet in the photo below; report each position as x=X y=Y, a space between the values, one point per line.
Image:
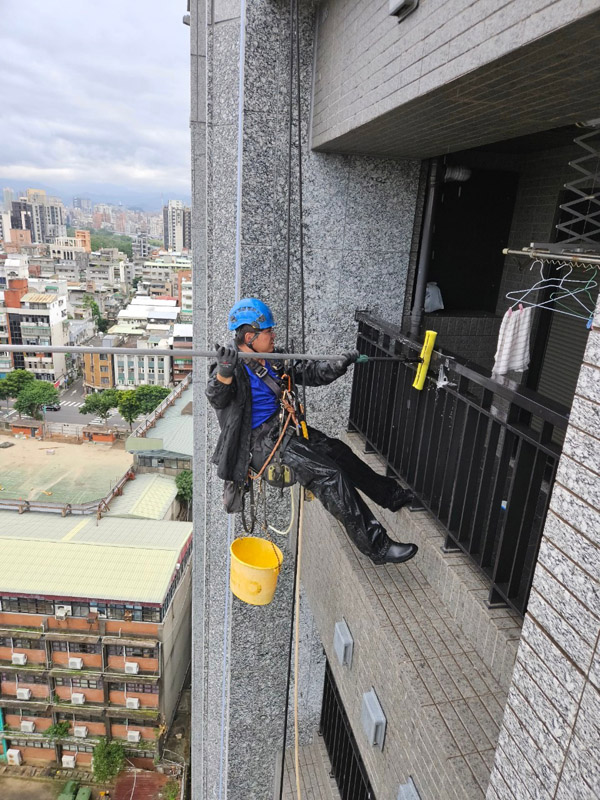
x=250 y=311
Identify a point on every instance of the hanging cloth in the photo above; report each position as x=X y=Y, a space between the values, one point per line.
x=513 y=341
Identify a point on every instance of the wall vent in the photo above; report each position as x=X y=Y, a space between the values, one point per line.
x=373 y=719
x=343 y=643
x=402 y=8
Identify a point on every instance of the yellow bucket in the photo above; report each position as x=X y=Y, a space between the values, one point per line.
x=255 y=565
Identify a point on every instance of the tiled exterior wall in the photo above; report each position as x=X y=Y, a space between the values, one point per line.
x=551 y=728
x=421 y=633
x=368 y=64
x=542 y=177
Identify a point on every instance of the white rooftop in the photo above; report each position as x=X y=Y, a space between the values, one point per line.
x=146 y=300
x=129 y=560
x=183 y=329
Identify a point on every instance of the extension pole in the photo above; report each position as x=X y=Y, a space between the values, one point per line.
x=183 y=353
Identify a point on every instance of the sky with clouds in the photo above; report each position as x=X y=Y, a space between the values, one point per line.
x=94 y=98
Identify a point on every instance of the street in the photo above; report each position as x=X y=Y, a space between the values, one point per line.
x=71 y=400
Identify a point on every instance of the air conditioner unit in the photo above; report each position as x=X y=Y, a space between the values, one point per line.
x=14 y=757
x=19 y=658
x=133 y=736
x=78 y=698
x=23 y=694
x=132 y=702
x=68 y=762
x=62 y=612
x=27 y=726
x=80 y=731
x=75 y=663
x=132 y=668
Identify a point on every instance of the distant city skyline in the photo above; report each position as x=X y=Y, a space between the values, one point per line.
x=145 y=201
x=96 y=101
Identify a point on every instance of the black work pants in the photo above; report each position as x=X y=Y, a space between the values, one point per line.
x=333 y=473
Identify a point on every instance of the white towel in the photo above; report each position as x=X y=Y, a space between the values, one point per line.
x=513 y=341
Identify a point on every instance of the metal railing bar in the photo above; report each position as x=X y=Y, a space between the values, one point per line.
x=526 y=522
x=464 y=463
x=545 y=408
x=474 y=481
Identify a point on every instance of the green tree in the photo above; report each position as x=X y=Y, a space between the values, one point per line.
x=151 y=396
x=59 y=730
x=101 y=322
x=129 y=406
x=33 y=396
x=103 y=238
x=17 y=379
x=109 y=760
x=183 y=482
x=4 y=390
x=100 y=403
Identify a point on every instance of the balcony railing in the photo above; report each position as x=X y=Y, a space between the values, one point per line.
x=481 y=457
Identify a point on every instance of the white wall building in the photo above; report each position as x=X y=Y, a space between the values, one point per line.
x=132 y=371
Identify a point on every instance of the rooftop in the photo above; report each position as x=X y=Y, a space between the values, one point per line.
x=183 y=329
x=34 y=297
x=149 y=496
x=173 y=433
x=59 y=472
x=114 y=559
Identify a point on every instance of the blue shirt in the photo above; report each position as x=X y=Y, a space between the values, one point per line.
x=264 y=402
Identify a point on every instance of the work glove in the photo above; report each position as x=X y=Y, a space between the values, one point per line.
x=227 y=358
x=349 y=357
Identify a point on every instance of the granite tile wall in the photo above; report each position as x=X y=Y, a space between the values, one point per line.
x=550 y=728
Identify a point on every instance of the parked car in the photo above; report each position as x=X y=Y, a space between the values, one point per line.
x=53 y=407
x=84 y=793
x=69 y=791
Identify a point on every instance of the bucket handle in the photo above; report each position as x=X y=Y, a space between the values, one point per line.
x=279 y=560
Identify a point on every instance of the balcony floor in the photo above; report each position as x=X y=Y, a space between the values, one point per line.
x=315 y=783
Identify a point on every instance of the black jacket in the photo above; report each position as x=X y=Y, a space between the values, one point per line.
x=233 y=404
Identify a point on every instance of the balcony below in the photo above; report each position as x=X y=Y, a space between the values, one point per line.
x=439 y=658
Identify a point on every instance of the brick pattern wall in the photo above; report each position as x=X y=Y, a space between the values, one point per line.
x=551 y=727
x=438 y=658
x=542 y=177
x=368 y=65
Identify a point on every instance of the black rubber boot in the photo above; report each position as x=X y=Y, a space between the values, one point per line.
x=395 y=553
x=400 y=498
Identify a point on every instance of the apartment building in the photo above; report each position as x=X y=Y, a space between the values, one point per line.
x=67 y=248
x=132 y=370
x=107 y=266
x=434 y=136
x=6 y=364
x=94 y=633
x=42 y=215
x=98 y=368
x=37 y=318
x=184 y=294
x=182 y=339
x=13 y=266
x=176 y=226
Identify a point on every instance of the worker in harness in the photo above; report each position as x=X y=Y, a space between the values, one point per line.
x=246 y=396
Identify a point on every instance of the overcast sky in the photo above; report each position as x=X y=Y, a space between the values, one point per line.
x=94 y=96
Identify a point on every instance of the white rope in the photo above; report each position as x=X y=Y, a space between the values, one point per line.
x=289 y=527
